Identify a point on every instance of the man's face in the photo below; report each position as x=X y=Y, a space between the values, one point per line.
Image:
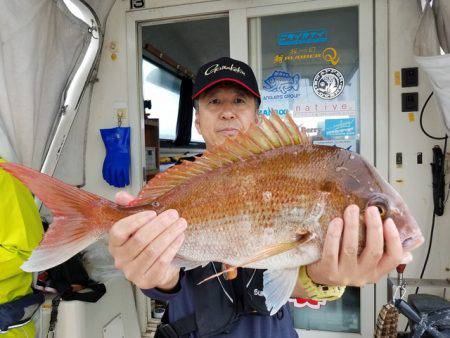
x=223 y=110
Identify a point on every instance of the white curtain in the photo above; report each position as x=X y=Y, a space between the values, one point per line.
x=433 y=35
x=442 y=13
x=41 y=45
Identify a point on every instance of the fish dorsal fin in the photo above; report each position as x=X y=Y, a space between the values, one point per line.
x=267 y=135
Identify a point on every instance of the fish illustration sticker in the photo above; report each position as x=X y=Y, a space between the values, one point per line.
x=282 y=82
x=328 y=83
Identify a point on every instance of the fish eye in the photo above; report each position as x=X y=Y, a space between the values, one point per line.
x=381 y=203
x=382 y=210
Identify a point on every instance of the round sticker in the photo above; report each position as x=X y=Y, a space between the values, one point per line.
x=328 y=83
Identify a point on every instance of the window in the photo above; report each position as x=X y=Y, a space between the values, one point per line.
x=163 y=89
x=183 y=42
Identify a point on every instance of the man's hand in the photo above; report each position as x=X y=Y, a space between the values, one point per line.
x=143 y=246
x=340 y=263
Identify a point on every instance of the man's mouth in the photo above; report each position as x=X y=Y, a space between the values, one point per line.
x=228 y=131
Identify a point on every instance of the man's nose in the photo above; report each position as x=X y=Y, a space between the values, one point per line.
x=227 y=112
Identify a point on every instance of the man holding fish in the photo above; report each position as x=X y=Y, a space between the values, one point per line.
x=228 y=238
x=146 y=245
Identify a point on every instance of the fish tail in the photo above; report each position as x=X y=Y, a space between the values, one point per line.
x=79 y=217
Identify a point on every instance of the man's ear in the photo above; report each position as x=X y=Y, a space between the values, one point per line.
x=197 y=122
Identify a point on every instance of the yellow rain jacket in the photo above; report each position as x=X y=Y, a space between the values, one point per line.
x=20 y=232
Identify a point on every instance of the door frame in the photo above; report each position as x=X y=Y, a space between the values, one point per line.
x=239 y=12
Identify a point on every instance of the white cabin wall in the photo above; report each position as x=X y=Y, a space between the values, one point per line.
x=111 y=87
x=406 y=137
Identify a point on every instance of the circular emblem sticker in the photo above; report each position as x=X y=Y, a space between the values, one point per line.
x=328 y=83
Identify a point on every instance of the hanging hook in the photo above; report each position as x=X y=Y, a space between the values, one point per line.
x=402 y=293
x=120 y=116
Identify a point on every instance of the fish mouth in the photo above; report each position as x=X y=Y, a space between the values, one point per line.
x=411 y=243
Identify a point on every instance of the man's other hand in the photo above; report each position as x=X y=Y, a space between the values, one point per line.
x=143 y=246
x=340 y=263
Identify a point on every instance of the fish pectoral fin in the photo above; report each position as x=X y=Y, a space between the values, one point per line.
x=278 y=286
x=302 y=236
x=231 y=269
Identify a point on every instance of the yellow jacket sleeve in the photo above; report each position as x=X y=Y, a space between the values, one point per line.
x=20 y=232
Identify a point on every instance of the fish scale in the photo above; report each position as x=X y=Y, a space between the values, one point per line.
x=248 y=184
x=263 y=199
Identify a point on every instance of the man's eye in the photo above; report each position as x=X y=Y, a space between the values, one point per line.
x=240 y=100
x=214 y=101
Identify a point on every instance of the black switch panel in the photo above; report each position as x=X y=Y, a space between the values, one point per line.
x=410 y=102
x=398 y=159
x=419 y=158
x=410 y=77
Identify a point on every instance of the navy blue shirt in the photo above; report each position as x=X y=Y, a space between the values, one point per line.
x=182 y=303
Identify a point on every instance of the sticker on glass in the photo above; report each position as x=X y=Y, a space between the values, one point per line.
x=282 y=82
x=328 y=83
x=268 y=111
x=340 y=127
x=331 y=55
x=297 y=55
x=303 y=37
x=347 y=144
x=319 y=109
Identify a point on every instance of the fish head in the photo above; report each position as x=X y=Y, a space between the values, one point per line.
x=391 y=205
x=363 y=181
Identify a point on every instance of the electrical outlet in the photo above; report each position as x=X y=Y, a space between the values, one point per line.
x=410 y=102
x=410 y=77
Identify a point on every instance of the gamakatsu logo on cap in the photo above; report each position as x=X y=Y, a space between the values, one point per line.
x=328 y=83
x=216 y=68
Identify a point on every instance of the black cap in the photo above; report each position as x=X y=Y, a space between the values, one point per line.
x=225 y=69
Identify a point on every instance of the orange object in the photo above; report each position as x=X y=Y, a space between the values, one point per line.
x=231 y=274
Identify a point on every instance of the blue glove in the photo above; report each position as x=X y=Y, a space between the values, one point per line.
x=116 y=166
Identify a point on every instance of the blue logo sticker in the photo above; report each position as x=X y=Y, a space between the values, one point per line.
x=340 y=127
x=268 y=111
x=282 y=82
x=302 y=37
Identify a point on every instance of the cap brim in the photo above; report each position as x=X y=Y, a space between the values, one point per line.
x=226 y=79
